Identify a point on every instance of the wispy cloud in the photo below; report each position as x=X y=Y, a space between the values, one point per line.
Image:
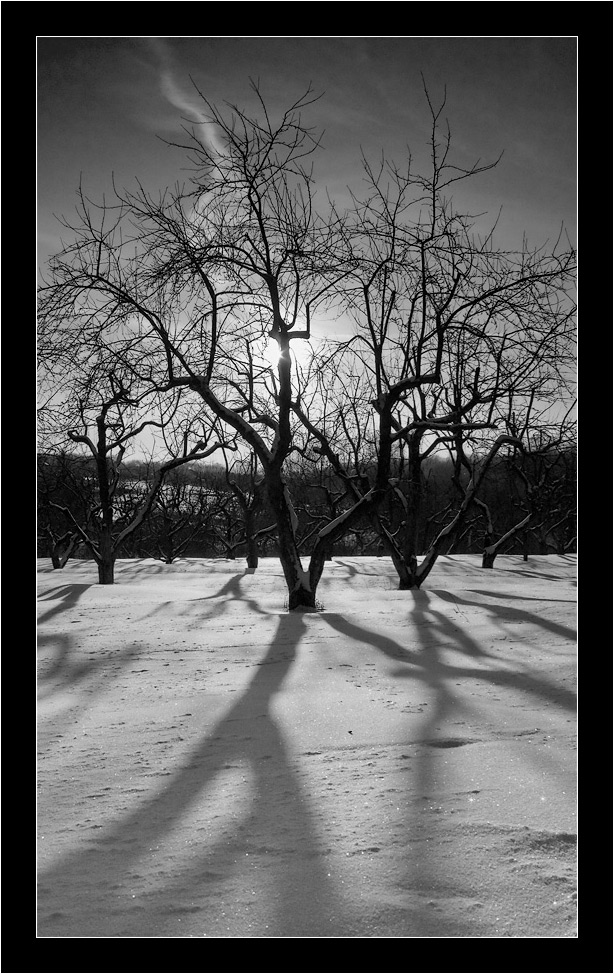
x=188 y=103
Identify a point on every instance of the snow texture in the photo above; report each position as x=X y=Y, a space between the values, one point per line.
x=400 y=764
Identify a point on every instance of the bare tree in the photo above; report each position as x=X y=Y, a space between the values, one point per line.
x=181 y=516
x=541 y=480
x=110 y=420
x=61 y=479
x=201 y=282
x=448 y=330
x=248 y=491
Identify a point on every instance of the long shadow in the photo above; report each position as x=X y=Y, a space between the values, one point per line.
x=436 y=635
x=510 y=596
x=228 y=593
x=62 y=669
x=276 y=824
x=422 y=873
x=425 y=665
x=230 y=590
x=390 y=647
x=67 y=688
x=68 y=595
x=524 y=680
x=507 y=613
x=133 y=567
x=439 y=625
x=64 y=674
x=354 y=570
x=530 y=574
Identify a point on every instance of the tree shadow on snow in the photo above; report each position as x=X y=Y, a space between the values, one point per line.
x=64 y=673
x=68 y=596
x=527 y=573
x=426 y=667
x=422 y=873
x=367 y=569
x=67 y=687
x=385 y=644
x=512 y=596
x=229 y=592
x=437 y=624
x=428 y=662
x=61 y=672
x=130 y=568
x=506 y=613
x=263 y=840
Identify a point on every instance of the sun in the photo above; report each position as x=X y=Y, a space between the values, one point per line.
x=271 y=352
x=301 y=351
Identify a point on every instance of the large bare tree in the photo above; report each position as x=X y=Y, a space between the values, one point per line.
x=197 y=284
x=451 y=335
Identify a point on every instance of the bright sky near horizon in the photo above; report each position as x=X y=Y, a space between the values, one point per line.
x=104 y=103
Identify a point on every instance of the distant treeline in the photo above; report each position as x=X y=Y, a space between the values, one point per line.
x=203 y=510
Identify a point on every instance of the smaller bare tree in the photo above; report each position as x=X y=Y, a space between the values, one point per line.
x=60 y=479
x=106 y=432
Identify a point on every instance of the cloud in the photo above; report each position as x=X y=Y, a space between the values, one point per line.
x=188 y=104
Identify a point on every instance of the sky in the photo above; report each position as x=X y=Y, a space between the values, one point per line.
x=105 y=106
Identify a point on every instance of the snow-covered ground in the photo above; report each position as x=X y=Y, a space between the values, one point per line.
x=400 y=764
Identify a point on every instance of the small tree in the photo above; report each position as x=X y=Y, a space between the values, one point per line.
x=61 y=479
x=180 y=519
x=110 y=421
x=242 y=510
x=542 y=482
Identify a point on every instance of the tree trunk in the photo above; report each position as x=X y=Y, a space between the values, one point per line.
x=106 y=572
x=301 y=590
x=106 y=559
x=488 y=559
x=407 y=572
x=301 y=598
x=61 y=549
x=409 y=581
x=406 y=564
x=415 y=491
x=251 y=540
x=252 y=554
x=492 y=549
